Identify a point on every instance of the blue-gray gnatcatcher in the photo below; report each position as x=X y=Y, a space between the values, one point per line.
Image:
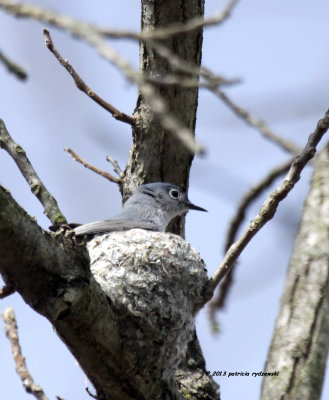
x=151 y=206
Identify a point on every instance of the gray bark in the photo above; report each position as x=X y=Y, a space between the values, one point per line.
x=130 y=320
x=157 y=155
x=113 y=335
x=300 y=342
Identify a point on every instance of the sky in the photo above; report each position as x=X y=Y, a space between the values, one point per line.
x=279 y=50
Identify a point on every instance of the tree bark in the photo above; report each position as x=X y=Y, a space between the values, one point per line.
x=300 y=342
x=129 y=320
x=157 y=155
x=113 y=339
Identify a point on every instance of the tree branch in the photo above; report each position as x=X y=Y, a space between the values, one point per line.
x=175 y=80
x=76 y=28
x=12 y=67
x=236 y=221
x=7 y=290
x=127 y=342
x=54 y=279
x=269 y=208
x=300 y=342
x=250 y=196
x=81 y=85
x=178 y=28
x=86 y=164
x=115 y=165
x=158 y=105
x=70 y=24
x=178 y=63
x=11 y=331
x=257 y=123
x=94 y=37
x=49 y=203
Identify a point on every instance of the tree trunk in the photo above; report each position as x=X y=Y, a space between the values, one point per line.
x=300 y=342
x=117 y=342
x=157 y=155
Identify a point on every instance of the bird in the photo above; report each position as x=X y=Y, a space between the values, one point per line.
x=151 y=206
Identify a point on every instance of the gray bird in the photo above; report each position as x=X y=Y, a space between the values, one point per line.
x=151 y=206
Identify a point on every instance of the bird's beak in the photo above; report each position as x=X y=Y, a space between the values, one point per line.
x=193 y=207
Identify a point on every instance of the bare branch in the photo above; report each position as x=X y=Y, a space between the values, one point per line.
x=9 y=319
x=179 y=64
x=12 y=67
x=300 y=341
x=250 y=196
x=93 y=36
x=77 y=28
x=7 y=290
x=17 y=153
x=56 y=280
x=81 y=85
x=45 y=15
x=115 y=165
x=176 y=29
x=212 y=83
x=174 y=80
x=270 y=206
x=159 y=107
x=70 y=24
x=86 y=164
x=236 y=221
x=257 y=123
x=93 y=396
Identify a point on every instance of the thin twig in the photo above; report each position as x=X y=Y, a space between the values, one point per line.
x=11 y=331
x=270 y=206
x=7 y=290
x=86 y=164
x=94 y=37
x=17 y=153
x=13 y=67
x=174 y=80
x=176 y=29
x=236 y=221
x=179 y=64
x=70 y=24
x=250 y=196
x=79 y=29
x=81 y=85
x=93 y=396
x=212 y=83
x=115 y=165
x=257 y=123
x=158 y=106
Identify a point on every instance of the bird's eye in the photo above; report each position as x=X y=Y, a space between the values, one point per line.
x=174 y=193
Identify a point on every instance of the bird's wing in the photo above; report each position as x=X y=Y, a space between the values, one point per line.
x=113 y=225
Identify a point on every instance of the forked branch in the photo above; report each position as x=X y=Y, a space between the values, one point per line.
x=270 y=206
x=234 y=226
x=11 y=331
x=49 y=203
x=86 y=164
x=81 y=85
x=13 y=67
